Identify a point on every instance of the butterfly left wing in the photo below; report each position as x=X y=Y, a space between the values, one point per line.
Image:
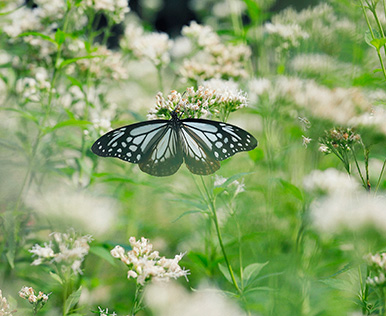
x=151 y=144
x=212 y=142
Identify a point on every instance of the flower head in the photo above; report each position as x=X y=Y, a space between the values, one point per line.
x=5 y=309
x=65 y=249
x=146 y=264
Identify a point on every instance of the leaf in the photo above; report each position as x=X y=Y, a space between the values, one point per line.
x=254 y=10
x=225 y=271
x=292 y=189
x=41 y=35
x=378 y=43
x=75 y=82
x=66 y=62
x=72 y=300
x=103 y=253
x=60 y=36
x=188 y=212
x=24 y=114
x=256 y=155
x=192 y=203
x=369 y=36
x=56 y=277
x=252 y=271
x=71 y=122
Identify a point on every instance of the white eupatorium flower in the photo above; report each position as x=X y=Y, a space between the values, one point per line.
x=377 y=266
x=146 y=264
x=203 y=101
x=376 y=117
x=32 y=89
x=152 y=46
x=213 y=59
x=5 y=309
x=38 y=299
x=288 y=35
x=105 y=312
x=67 y=250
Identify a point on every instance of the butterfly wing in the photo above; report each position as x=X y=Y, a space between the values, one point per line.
x=151 y=144
x=210 y=141
x=164 y=158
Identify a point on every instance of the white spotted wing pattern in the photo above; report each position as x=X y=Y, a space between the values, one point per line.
x=161 y=146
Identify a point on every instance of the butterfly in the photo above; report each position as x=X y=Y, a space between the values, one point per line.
x=159 y=147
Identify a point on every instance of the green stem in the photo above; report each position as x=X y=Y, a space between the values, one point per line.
x=160 y=79
x=359 y=170
x=219 y=236
x=137 y=300
x=380 y=176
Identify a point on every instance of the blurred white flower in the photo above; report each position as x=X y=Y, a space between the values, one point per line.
x=146 y=264
x=288 y=35
x=182 y=46
x=5 y=309
x=21 y=20
x=376 y=117
x=306 y=140
x=33 y=88
x=63 y=204
x=69 y=250
x=213 y=59
x=171 y=299
x=345 y=205
x=29 y=294
x=51 y=9
x=153 y=46
x=116 y=9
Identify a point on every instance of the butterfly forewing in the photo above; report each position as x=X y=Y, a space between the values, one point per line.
x=132 y=142
x=223 y=140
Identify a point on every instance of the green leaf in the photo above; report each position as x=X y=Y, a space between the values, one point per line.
x=378 y=43
x=292 y=189
x=224 y=270
x=56 y=277
x=24 y=114
x=72 y=300
x=60 y=36
x=103 y=253
x=252 y=271
x=41 y=35
x=195 y=204
x=11 y=257
x=71 y=122
x=75 y=82
x=253 y=9
x=188 y=212
x=66 y=62
x=256 y=155
x=369 y=36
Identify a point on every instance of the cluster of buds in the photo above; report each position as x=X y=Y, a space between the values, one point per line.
x=339 y=139
x=377 y=266
x=37 y=301
x=5 y=309
x=146 y=265
x=203 y=102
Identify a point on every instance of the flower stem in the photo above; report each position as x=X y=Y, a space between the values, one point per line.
x=380 y=176
x=219 y=236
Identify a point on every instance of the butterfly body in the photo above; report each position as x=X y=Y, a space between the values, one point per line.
x=161 y=146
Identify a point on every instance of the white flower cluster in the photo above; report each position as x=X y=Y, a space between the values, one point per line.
x=105 y=312
x=344 y=204
x=66 y=250
x=321 y=22
x=32 y=88
x=152 y=46
x=4 y=306
x=285 y=36
x=214 y=58
x=116 y=9
x=146 y=264
x=377 y=265
x=29 y=294
x=21 y=20
x=204 y=101
x=338 y=105
x=108 y=64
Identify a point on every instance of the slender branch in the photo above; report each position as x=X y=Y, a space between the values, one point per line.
x=380 y=176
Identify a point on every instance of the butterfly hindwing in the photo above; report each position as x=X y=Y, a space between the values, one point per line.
x=222 y=140
x=198 y=156
x=164 y=158
x=132 y=142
